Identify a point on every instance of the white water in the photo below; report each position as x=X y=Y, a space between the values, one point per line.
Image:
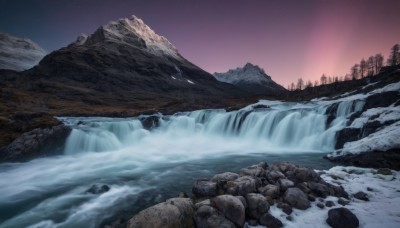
x=50 y=192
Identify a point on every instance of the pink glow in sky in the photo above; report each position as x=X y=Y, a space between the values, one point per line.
x=288 y=38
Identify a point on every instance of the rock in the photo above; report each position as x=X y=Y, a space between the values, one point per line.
x=36 y=143
x=343 y=202
x=175 y=212
x=296 y=198
x=243 y=200
x=257 y=205
x=274 y=176
x=320 y=190
x=150 y=122
x=255 y=171
x=204 y=188
x=342 y=218
x=251 y=222
x=182 y=195
x=206 y=202
x=270 y=221
x=370 y=189
x=209 y=217
x=384 y=171
x=270 y=190
x=287 y=208
x=347 y=135
x=311 y=197
x=338 y=191
x=303 y=187
x=227 y=176
x=97 y=189
x=231 y=207
x=329 y=203
x=361 y=196
x=321 y=205
x=284 y=184
x=305 y=175
x=241 y=186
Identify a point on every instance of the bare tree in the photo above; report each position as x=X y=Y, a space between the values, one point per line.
x=316 y=83
x=354 y=72
x=378 y=62
x=309 y=84
x=323 y=79
x=363 y=67
x=292 y=87
x=394 y=57
x=300 y=84
x=371 y=65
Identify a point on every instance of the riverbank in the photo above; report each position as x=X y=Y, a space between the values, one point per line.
x=283 y=195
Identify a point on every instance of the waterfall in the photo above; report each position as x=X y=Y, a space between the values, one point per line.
x=280 y=126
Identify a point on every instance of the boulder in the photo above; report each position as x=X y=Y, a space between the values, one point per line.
x=257 y=205
x=209 y=217
x=255 y=171
x=274 y=176
x=241 y=186
x=296 y=198
x=320 y=190
x=204 y=188
x=305 y=175
x=231 y=207
x=342 y=218
x=284 y=184
x=270 y=221
x=270 y=190
x=329 y=203
x=361 y=196
x=227 y=176
x=175 y=212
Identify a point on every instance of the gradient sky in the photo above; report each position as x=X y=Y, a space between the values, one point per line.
x=288 y=38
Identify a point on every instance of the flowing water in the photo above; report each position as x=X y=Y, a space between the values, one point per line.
x=146 y=163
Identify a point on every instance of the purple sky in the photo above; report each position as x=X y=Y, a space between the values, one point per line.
x=288 y=38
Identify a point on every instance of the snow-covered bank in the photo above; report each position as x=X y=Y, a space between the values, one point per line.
x=382 y=209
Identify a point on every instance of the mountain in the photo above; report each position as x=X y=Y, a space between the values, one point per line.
x=19 y=54
x=251 y=78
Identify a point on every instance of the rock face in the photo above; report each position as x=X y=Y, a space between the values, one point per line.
x=342 y=218
x=251 y=78
x=36 y=143
x=19 y=54
x=175 y=212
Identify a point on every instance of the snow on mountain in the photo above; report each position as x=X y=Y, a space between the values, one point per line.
x=19 y=54
x=134 y=32
x=252 y=78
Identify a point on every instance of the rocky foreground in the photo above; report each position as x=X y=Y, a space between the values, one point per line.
x=282 y=195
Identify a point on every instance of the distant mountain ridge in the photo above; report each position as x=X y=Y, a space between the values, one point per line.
x=251 y=78
x=19 y=54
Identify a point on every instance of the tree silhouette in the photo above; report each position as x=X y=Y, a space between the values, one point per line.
x=363 y=67
x=354 y=72
x=300 y=83
x=323 y=79
x=394 y=58
x=378 y=62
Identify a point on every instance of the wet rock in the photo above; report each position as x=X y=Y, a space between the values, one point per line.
x=150 y=122
x=321 y=205
x=231 y=207
x=296 y=198
x=329 y=203
x=303 y=187
x=287 y=208
x=270 y=190
x=227 y=176
x=255 y=171
x=257 y=205
x=241 y=186
x=274 y=176
x=361 y=196
x=176 y=212
x=311 y=197
x=284 y=184
x=204 y=188
x=97 y=189
x=347 y=135
x=209 y=217
x=338 y=191
x=270 y=221
x=342 y=218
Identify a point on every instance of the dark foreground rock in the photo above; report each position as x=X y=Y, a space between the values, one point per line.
x=375 y=159
x=342 y=218
x=36 y=143
x=230 y=200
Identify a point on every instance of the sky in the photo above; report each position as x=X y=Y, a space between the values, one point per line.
x=288 y=38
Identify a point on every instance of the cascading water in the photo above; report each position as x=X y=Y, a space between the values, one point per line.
x=145 y=163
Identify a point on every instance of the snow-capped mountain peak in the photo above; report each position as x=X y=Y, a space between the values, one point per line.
x=249 y=73
x=251 y=78
x=134 y=32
